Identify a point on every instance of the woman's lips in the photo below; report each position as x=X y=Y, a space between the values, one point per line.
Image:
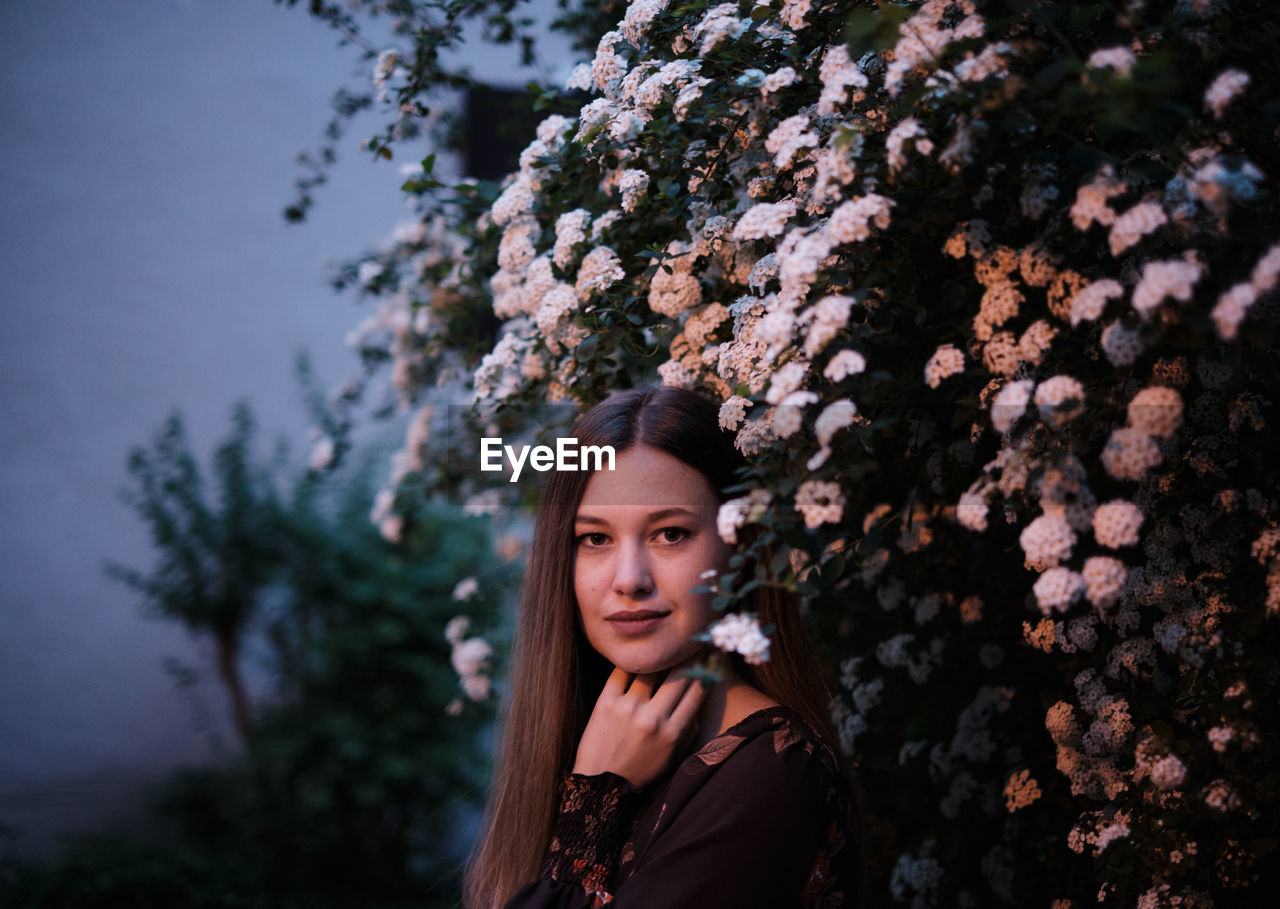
x=635 y=622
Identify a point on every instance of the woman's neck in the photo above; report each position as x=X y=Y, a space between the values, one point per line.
x=728 y=703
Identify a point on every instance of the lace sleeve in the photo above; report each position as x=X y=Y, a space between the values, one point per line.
x=593 y=823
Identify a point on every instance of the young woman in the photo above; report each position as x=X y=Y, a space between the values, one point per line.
x=620 y=781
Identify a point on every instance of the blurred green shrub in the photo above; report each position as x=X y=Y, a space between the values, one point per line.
x=362 y=771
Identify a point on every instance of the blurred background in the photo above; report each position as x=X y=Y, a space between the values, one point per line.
x=209 y=658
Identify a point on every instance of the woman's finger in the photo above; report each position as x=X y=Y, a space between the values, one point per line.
x=616 y=684
x=686 y=711
x=670 y=691
x=642 y=685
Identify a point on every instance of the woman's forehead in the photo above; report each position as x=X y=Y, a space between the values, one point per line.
x=645 y=477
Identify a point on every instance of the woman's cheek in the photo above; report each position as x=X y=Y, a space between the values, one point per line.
x=591 y=582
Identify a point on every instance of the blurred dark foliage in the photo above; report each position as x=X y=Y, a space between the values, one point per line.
x=435 y=29
x=354 y=786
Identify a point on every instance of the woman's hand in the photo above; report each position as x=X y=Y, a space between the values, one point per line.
x=636 y=731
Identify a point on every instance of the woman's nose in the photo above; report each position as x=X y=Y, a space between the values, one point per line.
x=632 y=576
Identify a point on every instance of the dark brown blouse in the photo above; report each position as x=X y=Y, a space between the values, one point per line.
x=757 y=817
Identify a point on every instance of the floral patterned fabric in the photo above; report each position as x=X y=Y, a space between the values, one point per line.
x=757 y=817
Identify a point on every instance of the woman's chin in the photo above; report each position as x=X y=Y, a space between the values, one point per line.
x=649 y=666
x=636 y=667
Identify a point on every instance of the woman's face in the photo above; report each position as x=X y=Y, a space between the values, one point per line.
x=644 y=534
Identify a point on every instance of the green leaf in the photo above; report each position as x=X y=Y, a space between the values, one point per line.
x=877 y=30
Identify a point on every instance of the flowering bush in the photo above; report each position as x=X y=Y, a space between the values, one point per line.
x=1012 y=265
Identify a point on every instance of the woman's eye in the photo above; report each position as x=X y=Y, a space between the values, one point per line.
x=673 y=534
x=592 y=539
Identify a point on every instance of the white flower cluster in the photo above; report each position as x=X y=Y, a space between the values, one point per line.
x=777 y=80
x=571 y=230
x=639 y=16
x=947 y=360
x=514 y=201
x=383 y=516
x=838 y=74
x=633 y=184
x=608 y=67
x=470 y=659
x=552 y=317
x=851 y=221
x=835 y=416
x=385 y=67
x=844 y=364
x=498 y=375
x=1093 y=200
x=1220 y=737
x=1108 y=835
x=820 y=502
x=1057 y=589
x=1089 y=302
x=924 y=37
x=1156 y=410
x=675 y=288
x=788 y=139
x=971 y=510
x=736 y=513
x=985 y=65
x=1010 y=404
x=600 y=270
x=464 y=590
x=1046 y=541
x=1135 y=224
x=517 y=248
x=1060 y=400
x=794 y=12
x=1232 y=306
x=1116 y=523
x=1104 y=579
x=767 y=219
x=908 y=128
x=1168 y=772
x=740 y=633
x=1224 y=89
x=321 y=454
x=733 y=411
x=1001 y=354
x=801 y=255
x=719 y=23
x=1161 y=280
x=1119 y=58
x=825 y=320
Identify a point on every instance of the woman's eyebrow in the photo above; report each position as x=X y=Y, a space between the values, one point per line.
x=671 y=512
x=658 y=515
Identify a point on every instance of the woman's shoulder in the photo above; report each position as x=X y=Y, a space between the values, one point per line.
x=770 y=738
x=769 y=771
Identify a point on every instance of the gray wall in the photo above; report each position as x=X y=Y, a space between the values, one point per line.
x=147 y=153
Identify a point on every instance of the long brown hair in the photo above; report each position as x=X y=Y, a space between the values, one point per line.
x=556 y=675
